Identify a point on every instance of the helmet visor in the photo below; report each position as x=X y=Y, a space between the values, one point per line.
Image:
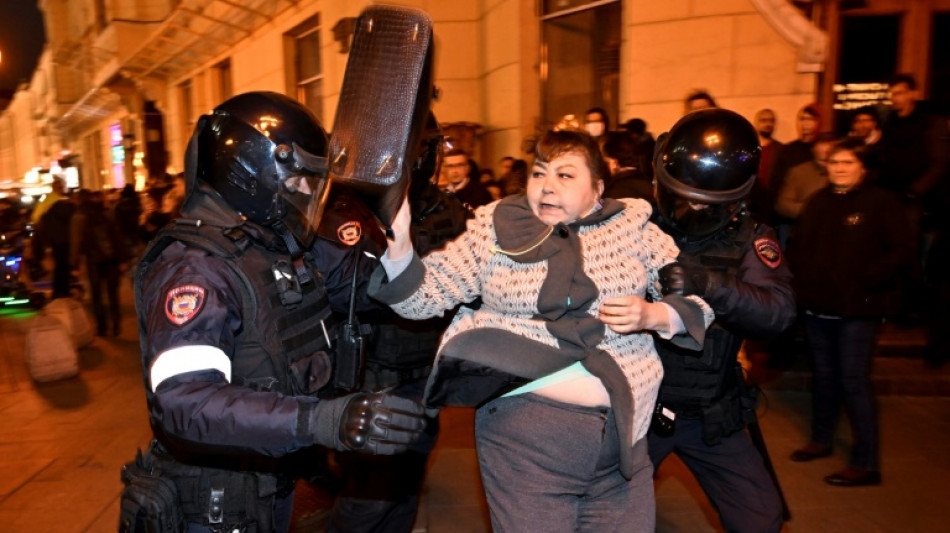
x=694 y=218
x=303 y=197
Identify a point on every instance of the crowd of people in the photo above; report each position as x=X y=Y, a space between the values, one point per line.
x=605 y=283
x=860 y=239
x=93 y=237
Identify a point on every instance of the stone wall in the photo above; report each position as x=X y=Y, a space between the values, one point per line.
x=726 y=47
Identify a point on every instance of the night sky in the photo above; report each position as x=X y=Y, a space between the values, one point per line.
x=21 y=41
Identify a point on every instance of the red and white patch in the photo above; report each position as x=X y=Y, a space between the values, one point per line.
x=768 y=252
x=184 y=303
x=350 y=232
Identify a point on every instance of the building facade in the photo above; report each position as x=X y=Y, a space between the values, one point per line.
x=123 y=82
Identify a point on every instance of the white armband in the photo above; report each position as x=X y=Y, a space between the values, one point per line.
x=188 y=359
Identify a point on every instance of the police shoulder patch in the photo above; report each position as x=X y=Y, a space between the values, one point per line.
x=350 y=232
x=768 y=252
x=184 y=303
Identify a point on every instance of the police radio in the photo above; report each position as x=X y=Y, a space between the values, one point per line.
x=352 y=347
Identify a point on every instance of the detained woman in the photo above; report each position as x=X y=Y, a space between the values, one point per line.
x=553 y=342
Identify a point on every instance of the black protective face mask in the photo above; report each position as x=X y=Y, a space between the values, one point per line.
x=693 y=218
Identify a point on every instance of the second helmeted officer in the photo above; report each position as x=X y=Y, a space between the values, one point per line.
x=705 y=169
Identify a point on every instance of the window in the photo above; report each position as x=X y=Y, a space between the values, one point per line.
x=222 y=73
x=185 y=100
x=580 y=58
x=867 y=59
x=869 y=47
x=116 y=155
x=305 y=81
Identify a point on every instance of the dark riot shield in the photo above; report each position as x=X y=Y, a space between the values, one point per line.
x=387 y=89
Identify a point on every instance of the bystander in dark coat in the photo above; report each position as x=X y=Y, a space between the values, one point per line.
x=846 y=255
x=54 y=231
x=96 y=235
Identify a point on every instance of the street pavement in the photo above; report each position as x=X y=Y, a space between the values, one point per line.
x=62 y=445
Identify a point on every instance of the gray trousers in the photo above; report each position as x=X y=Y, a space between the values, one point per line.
x=550 y=467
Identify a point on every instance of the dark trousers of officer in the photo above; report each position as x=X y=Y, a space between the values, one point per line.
x=841 y=350
x=283 y=511
x=731 y=473
x=380 y=494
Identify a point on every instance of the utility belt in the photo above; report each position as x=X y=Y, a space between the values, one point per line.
x=376 y=377
x=163 y=495
x=721 y=418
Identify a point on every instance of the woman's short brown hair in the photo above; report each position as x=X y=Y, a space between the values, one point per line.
x=556 y=143
x=854 y=145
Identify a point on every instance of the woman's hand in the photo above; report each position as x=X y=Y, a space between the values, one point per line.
x=624 y=314
x=401 y=242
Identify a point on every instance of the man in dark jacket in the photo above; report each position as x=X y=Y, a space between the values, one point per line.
x=736 y=266
x=128 y=214
x=915 y=160
x=96 y=236
x=914 y=145
x=53 y=230
x=789 y=156
x=457 y=178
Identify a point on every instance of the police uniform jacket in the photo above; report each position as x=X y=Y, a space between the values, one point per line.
x=754 y=301
x=211 y=386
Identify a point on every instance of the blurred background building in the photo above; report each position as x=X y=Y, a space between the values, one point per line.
x=121 y=82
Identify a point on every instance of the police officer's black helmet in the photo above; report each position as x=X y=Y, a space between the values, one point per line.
x=265 y=155
x=705 y=168
x=427 y=160
x=428 y=156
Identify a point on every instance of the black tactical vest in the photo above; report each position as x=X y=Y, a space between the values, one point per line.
x=691 y=383
x=442 y=219
x=287 y=331
x=408 y=347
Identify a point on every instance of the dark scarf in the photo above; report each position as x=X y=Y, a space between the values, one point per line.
x=567 y=292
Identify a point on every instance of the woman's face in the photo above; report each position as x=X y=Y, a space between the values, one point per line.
x=562 y=190
x=845 y=170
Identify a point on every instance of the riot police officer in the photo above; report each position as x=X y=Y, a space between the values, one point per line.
x=237 y=337
x=705 y=168
x=380 y=494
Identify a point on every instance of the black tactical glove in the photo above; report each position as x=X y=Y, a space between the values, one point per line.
x=376 y=423
x=685 y=280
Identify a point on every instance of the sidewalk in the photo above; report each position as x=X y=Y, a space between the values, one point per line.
x=62 y=445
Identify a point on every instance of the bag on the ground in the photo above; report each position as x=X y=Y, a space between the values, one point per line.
x=50 y=353
x=74 y=316
x=149 y=501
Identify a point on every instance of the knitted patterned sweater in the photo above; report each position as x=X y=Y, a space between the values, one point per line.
x=540 y=289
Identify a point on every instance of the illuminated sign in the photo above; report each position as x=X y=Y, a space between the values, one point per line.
x=115 y=134
x=118 y=155
x=855 y=95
